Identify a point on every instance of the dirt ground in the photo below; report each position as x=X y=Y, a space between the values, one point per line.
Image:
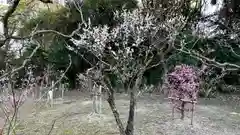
x=73 y=116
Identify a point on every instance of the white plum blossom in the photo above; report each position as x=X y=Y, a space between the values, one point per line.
x=133 y=24
x=132 y=29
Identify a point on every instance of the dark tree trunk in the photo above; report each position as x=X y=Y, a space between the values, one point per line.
x=111 y=102
x=112 y=105
x=182 y=110
x=130 y=123
x=2 y=59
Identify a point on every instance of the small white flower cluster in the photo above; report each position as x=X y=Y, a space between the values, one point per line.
x=172 y=26
x=135 y=25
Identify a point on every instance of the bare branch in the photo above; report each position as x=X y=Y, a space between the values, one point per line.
x=213 y=62
x=24 y=63
x=47 y=31
x=50 y=131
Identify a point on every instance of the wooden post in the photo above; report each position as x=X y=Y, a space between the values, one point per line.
x=50 y=95
x=100 y=99
x=173 y=107
x=94 y=92
x=62 y=89
x=182 y=109
x=9 y=88
x=97 y=99
x=32 y=91
x=193 y=106
x=40 y=91
x=36 y=91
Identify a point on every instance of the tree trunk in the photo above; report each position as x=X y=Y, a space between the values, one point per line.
x=2 y=59
x=111 y=102
x=130 y=123
x=112 y=105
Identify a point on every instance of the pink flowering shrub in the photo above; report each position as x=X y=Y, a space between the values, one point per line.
x=183 y=83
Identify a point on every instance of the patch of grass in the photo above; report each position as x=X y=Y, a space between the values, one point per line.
x=67 y=132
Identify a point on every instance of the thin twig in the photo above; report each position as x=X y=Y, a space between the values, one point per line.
x=50 y=131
